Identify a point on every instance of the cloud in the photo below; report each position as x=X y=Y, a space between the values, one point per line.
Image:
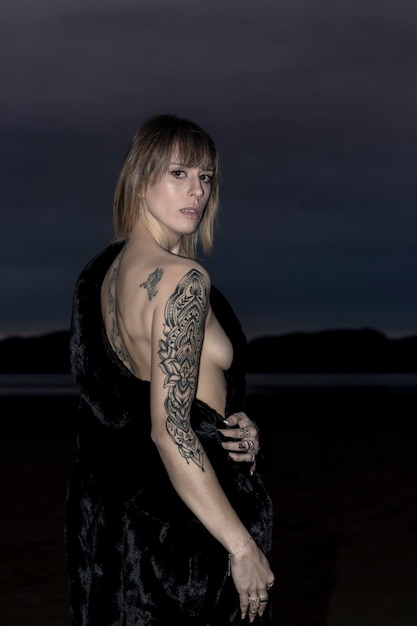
x=312 y=105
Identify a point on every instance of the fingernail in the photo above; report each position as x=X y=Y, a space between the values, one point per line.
x=226 y=421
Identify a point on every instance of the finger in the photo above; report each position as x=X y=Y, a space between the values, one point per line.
x=249 y=458
x=237 y=447
x=244 y=604
x=241 y=450
x=241 y=447
x=247 y=445
x=246 y=457
x=254 y=606
x=237 y=433
x=239 y=419
x=233 y=419
x=245 y=421
x=230 y=433
x=249 y=430
x=263 y=601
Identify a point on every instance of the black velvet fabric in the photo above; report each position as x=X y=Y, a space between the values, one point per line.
x=136 y=555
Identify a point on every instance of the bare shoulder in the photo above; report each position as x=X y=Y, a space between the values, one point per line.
x=182 y=305
x=182 y=276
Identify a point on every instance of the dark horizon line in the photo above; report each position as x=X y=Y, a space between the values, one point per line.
x=260 y=335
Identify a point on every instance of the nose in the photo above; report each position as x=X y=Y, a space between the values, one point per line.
x=196 y=186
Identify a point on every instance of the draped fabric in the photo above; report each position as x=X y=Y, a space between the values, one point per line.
x=136 y=555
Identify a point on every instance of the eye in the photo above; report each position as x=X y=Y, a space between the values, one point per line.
x=206 y=178
x=178 y=173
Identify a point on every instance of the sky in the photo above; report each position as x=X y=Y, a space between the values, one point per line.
x=312 y=104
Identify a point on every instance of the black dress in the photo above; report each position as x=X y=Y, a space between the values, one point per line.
x=136 y=554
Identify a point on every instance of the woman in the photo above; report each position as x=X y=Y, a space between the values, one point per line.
x=165 y=522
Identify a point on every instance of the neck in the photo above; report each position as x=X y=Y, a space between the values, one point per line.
x=153 y=232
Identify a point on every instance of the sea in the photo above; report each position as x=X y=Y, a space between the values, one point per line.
x=257 y=384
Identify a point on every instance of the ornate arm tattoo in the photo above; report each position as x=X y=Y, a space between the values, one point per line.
x=185 y=313
x=152 y=281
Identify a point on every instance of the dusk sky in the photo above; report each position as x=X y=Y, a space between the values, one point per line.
x=312 y=103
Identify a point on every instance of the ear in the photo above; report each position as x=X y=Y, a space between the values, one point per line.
x=142 y=192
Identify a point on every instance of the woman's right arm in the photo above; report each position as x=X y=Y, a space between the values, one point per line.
x=177 y=336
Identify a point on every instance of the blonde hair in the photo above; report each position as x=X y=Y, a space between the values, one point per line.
x=148 y=158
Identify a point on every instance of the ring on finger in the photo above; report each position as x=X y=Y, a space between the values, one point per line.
x=244 y=432
x=254 y=601
x=252 y=460
x=250 y=444
x=263 y=600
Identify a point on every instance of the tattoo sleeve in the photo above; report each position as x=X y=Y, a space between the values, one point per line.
x=179 y=353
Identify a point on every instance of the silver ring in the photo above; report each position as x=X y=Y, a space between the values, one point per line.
x=254 y=601
x=251 y=445
x=253 y=459
x=270 y=585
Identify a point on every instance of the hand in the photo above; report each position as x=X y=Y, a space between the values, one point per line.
x=242 y=438
x=253 y=579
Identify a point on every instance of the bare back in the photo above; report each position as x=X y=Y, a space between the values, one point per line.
x=142 y=280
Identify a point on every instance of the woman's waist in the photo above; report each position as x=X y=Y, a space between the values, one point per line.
x=212 y=390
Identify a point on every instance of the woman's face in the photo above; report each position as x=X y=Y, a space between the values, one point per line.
x=177 y=201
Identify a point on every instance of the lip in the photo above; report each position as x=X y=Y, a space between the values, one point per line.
x=191 y=212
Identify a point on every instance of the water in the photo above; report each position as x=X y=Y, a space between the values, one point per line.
x=36 y=384
x=62 y=384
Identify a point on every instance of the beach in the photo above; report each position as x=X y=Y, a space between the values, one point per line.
x=340 y=464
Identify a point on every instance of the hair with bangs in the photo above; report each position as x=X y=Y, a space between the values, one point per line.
x=150 y=152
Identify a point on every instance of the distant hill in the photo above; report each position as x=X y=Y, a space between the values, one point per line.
x=330 y=351
x=333 y=351
x=41 y=354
